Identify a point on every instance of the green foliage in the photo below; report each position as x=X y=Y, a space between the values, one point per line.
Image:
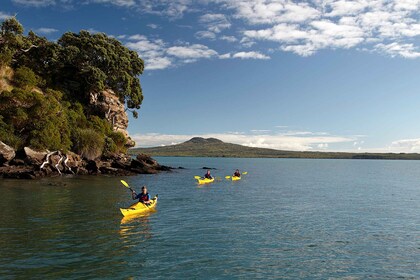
x=11 y=27
x=100 y=125
x=119 y=139
x=97 y=61
x=109 y=147
x=7 y=135
x=24 y=77
x=88 y=143
x=11 y=40
x=36 y=119
x=49 y=106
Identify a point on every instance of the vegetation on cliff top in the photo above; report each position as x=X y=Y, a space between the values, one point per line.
x=45 y=89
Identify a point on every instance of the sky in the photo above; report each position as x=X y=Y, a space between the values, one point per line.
x=320 y=75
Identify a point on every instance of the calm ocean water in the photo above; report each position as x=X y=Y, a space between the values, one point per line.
x=287 y=219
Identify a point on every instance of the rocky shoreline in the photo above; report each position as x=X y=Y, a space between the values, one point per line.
x=31 y=164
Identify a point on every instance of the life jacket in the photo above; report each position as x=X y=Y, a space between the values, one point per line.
x=208 y=176
x=237 y=174
x=144 y=197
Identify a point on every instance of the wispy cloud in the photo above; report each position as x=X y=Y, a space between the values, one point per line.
x=45 y=30
x=35 y=3
x=215 y=22
x=122 y=3
x=389 y=27
x=153 y=26
x=4 y=15
x=205 y=35
x=159 y=54
x=250 y=55
x=406 y=146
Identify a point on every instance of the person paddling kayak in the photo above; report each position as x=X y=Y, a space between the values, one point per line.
x=208 y=175
x=143 y=197
x=237 y=173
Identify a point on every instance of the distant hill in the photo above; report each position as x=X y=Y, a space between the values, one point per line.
x=211 y=147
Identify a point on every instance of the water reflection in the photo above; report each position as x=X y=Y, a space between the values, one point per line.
x=136 y=227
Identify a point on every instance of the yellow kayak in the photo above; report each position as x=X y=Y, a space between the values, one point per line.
x=205 y=181
x=236 y=178
x=139 y=207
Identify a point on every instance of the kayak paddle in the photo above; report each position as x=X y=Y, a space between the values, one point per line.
x=227 y=177
x=197 y=177
x=244 y=173
x=126 y=185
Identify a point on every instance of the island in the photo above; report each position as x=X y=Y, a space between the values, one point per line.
x=211 y=147
x=64 y=104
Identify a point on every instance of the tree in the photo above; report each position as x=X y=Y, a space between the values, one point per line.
x=11 y=39
x=97 y=61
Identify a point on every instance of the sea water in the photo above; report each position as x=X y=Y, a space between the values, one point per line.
x=286 y=219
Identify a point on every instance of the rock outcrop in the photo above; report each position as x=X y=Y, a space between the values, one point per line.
x=33 y=157
x=107 y=104
x=7 y=153
x=31 y=164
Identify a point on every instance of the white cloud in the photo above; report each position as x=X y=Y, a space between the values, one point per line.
x=153 y=26
x=158 y=54
x=215 y=22
x=122 y=3
x=152 y=51
x=250 y=55
x=45 y=30
x=205 y=35
x=323 y=146
x=405 y=146
x=396 y=49
x=229 y=39
x=192 y=51
x=34 y=3
x=390 y=27
x=280 y=142
x=225 y=56
x=173 y=9
x=4 y=15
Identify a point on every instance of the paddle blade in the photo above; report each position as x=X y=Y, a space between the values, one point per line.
x=244 y=173
x=125 y=183
x=197 y=177
x=227 y=177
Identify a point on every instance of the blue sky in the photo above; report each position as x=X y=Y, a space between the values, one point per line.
x=333 y=75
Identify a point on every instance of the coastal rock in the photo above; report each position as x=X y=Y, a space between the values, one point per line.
x=34 y=157
x=73 y=160
x=7 y=153
x=18 y=172
x=108 y=105
x=92 y=167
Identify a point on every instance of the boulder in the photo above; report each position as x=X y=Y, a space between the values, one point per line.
x=7 y=153
x=92 y=167
x=108 y=105
x=34 y=157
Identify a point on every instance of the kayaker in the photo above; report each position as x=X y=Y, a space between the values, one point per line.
x=208 y=175
x=143 y=197
x=237 y=173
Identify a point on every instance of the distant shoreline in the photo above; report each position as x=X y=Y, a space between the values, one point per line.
x=210 y=147
x=326 y=158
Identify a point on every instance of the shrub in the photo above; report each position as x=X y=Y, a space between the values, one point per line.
x=119 y=140
x=25 y=78
x=109 y=147
x=88 y=143
x=100 y=125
